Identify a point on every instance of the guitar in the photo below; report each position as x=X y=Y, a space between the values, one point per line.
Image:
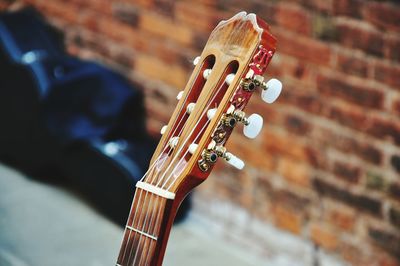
x=226 y=74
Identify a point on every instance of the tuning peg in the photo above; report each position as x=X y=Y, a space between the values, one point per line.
x=229 y=78
x=196 y=60
x=179 y=96
x=206 y=73
x=234 y=161
x=271 y=90
x=253 y=126
x=229 y=157
x=163 y=129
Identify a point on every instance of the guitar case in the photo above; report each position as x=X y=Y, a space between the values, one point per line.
x=69 y=120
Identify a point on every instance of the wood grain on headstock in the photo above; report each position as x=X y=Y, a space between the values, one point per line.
x=233 y=44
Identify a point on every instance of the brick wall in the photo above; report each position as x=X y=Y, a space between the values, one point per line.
x=327 y=165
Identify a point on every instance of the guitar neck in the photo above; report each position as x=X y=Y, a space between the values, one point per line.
x=147 y=230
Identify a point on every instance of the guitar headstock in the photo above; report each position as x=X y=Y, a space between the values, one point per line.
x=226 y=74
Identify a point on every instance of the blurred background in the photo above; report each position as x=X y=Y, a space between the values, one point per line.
x=321 y=184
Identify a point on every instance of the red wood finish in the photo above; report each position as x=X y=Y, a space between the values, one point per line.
x=238 y=45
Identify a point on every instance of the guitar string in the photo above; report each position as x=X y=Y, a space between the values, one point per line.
x=129 y=237
x=146 y=192
x=158 y=209
x=182 y=145
x=140 y=192
x=149 y=170
x=130 y=212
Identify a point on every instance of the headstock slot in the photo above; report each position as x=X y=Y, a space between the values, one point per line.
x=190 y=97
x=220 y=92
x=180 y=156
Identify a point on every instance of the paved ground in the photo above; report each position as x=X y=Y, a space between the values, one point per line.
x=44 y=225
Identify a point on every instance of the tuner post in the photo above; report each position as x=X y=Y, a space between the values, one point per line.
x=228 y=120
x=208 y=158
x=248 y=84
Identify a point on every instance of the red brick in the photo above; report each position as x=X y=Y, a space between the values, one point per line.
x=395 y=162
x=325 y=7
x=348 y=144
x=126 y=13
x=60 y=9
x=255 y=157
x=349 y=116
x=155 y=68
x=396 y=106
x=293 y=18
x=189 y=13
x=393 y=51
x=294 y=172
x=351 y=64
x=388 y=241
x=291 y=200
x=388 y=74
x=361 y=202
x=343 y=218
x=297 y=124
x=346 y=172
x=165 y=27
x=394 y=191
x=359 y=93
x=287 y=219
x=383 y=15
x=361 y=36
x=277 y=143
x=305 y=100
x=351 y=8
x=166 y=7
x=324 y=236
x=385 y=129
x=303 y=48
x=394 y=215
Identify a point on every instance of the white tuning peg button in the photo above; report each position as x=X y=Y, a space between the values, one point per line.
x=253 y=126
x=229 y=78
x=206 y=73
x=179 y=96
x=234 y=161
x=196 y=60
x=271 y=90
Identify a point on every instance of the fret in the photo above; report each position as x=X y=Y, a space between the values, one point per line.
x=156 y=190
x=141 y=237
x=142 y=233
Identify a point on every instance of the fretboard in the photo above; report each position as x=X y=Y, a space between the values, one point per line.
x=147 y=229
